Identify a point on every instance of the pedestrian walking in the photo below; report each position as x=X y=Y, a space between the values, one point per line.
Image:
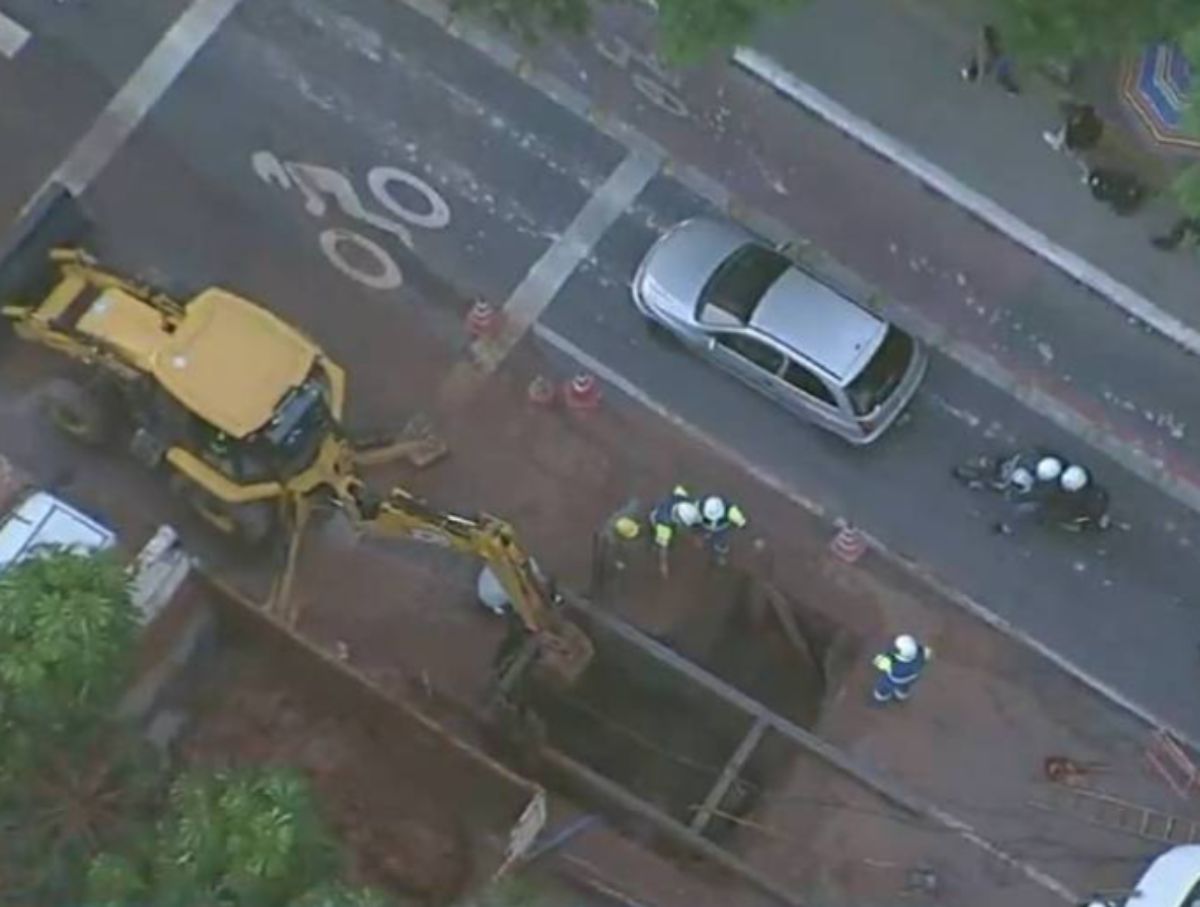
x=1185 y=228
x=1119 y=189
x=718 y=519
x=1080 y=130
x=678 y=510
x=989 y=59
x=899 y=668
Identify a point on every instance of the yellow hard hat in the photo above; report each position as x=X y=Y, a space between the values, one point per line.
x=627 y=527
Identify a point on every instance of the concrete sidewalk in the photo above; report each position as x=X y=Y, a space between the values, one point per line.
x=888 y=76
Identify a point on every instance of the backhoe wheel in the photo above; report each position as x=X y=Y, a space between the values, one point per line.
x=251 y=524
x=82 y=412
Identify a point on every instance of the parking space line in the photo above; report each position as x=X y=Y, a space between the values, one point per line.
x=13 y=36
x=130 y=105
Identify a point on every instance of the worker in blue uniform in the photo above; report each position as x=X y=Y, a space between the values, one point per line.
x=899 y=668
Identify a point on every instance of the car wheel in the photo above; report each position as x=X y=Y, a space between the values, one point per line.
x=80 y=411
x=251 y=523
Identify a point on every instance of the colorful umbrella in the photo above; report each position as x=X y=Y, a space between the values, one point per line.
x=1156 y=85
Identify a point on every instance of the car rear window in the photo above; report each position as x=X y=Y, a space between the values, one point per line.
x=876 y=382
x=741 y=281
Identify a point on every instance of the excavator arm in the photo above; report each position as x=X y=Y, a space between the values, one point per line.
x=563 y=647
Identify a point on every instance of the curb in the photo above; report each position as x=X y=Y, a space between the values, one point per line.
x=918 y=571
x=866 y=133
x=504 y=56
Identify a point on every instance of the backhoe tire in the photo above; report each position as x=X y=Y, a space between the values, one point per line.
x=79 y=411
x=249 y=524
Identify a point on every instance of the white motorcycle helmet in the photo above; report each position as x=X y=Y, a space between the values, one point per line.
x=1049 y=469
x=1021 y=479
x=1074 y=478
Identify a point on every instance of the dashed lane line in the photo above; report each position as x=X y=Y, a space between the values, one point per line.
x=13 y=36
x=135 y=99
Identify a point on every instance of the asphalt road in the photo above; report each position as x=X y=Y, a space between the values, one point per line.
x=434 y=176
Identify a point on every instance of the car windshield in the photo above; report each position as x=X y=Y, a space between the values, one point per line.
x=882 y=374
x=740 y=282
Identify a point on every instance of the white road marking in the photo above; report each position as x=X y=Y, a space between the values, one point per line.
x=141 y=92
x=543 y=281
x=13 y=36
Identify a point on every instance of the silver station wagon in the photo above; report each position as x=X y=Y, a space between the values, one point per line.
x=778 y=327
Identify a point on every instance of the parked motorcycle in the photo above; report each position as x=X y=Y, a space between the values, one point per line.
x=1014 y=476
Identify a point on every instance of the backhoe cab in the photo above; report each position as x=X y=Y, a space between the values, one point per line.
x=241 y=406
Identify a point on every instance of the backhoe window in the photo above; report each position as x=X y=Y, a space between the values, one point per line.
x=284 y=447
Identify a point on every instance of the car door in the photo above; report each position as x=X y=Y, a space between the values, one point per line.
x=751 y=360
x=810 y=395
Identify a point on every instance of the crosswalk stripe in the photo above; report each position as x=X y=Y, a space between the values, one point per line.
x=13 y=36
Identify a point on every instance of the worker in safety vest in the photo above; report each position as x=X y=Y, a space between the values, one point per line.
x=678 y=510
x=899 y=669
x=718 y=518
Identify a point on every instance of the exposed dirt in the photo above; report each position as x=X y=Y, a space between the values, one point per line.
x=387 y=801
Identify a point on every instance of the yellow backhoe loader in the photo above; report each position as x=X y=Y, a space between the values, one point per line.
x=242 y=410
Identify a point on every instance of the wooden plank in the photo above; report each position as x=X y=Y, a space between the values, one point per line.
x=868 y=777
x=728 y=774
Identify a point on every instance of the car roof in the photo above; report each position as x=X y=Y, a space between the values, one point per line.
x=42 y=519
x=1170 y=877
x=820 y=324
x=231 y=362
x=684 y=259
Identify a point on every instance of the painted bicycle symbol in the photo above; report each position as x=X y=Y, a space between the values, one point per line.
x=651 y=79
x=353 y=254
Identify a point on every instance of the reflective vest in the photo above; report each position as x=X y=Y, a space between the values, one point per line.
x=664 y=518
x=901 y=672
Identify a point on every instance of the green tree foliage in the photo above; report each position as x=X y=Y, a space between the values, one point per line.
x=531 y=19
x=1074 y=29
x=691 y=29
x=688 y=29
x=251 y=838
x=67 y=628
x=68 y=773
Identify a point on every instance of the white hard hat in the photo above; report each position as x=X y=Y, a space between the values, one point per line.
x=1021 y=478
x=714 y=508
x=1074 y=478
x=1049 y=469
x=687 y=513
x=906 y=647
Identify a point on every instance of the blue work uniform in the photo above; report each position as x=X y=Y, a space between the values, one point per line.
x=718 y=531
x=896 y=676
x=664 y=519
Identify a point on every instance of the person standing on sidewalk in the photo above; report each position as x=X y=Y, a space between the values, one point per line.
x=1186 y=228
x=899 y=668
x=1081 y=129
x=989 y=59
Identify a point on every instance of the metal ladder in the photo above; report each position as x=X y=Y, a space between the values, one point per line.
x=1116 y=814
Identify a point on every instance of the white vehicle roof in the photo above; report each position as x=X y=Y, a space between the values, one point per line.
x=1173 y=880
x=42 y=519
